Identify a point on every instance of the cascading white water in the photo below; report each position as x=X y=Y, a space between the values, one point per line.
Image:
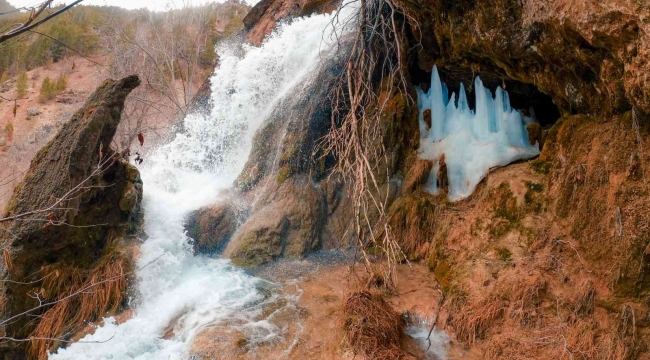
x=175 y=287
x=471 y=141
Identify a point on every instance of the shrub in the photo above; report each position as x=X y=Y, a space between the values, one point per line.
x=46 y=90
x=9 y=129
x=61 y=83
x=51 y=88
x=21 y=85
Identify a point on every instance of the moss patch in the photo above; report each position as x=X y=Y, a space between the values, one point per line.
x=506 y=213
x=533 y=199
x=440 y=264
x=541 y=166
x=284 y=173
x=504 y=254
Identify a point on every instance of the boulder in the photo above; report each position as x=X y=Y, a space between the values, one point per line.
x=32 y=111
x=212 y=226
x=290 y=224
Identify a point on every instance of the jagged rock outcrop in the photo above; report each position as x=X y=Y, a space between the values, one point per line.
x=82 y=201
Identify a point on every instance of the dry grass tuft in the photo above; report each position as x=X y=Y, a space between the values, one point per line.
x=376 y=277
x=96 y=293
x=584 y=304
x=582 y=339
x=527 y=301
x=470 y=321
x=371 y=328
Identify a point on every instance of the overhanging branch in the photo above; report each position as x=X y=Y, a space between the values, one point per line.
x=29 y=24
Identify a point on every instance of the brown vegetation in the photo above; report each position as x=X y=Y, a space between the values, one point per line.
x=371 y=327
x=80 y=298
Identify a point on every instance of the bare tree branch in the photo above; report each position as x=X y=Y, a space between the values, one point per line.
x=29 y=25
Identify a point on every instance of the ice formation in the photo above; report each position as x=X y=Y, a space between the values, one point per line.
x=470 y=142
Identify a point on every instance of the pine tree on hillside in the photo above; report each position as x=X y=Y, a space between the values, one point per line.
x=21 y=85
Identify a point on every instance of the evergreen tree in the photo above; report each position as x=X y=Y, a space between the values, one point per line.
x=21 y=85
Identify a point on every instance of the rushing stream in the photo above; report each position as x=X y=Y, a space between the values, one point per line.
x=174 y=287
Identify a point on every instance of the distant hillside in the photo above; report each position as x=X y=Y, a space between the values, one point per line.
x=84 y=30
x=5 y=6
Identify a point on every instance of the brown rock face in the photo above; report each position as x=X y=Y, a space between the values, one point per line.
x=263 y=17
x=590 y=56
x=418 y=175
x=427 y=117
x=100 y=209
x=211 y=227
x=535 y=134
x=442 y=177
x=297 y=208
x=290 y=224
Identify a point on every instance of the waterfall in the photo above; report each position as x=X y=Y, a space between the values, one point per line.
x=174 y=287
x=470 y=142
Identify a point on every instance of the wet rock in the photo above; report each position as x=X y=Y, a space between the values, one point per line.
x=263 y=17
x=100 y=206
x=212 y=226
x=427 y=118
x=535 y=134
x=130 y=197
x=290 y=224
x=442 y=177
x=417 y=175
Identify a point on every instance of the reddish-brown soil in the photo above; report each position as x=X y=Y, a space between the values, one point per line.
x=30 y=133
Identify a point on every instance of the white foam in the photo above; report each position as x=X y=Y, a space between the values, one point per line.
x=472 y=141
x=434 y=343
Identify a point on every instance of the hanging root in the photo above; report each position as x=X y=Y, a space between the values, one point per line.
x=82 y=298
x=371 y=328
x=376 y=65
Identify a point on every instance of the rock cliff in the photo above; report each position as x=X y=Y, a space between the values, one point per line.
x=548 y=258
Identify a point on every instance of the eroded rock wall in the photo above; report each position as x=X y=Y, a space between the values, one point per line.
x=553 y=248
x=590 y=56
